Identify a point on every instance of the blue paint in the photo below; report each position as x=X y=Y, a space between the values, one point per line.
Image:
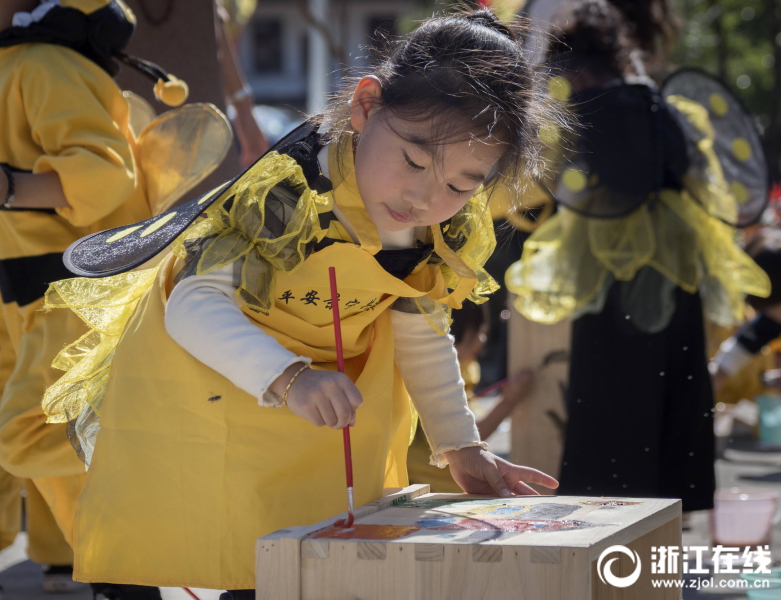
x=435 y=522
x=506 y=510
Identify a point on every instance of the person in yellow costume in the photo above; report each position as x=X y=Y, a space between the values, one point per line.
x=71 y=165
x=201 y=386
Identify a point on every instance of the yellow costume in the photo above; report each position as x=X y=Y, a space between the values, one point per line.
x=188 y=471
x=62 y=113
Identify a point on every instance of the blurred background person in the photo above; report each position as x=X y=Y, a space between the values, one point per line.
x=637 y=255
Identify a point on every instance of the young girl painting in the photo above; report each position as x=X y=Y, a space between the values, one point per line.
x=213 y=375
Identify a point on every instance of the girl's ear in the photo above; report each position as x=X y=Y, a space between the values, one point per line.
x=365 y=101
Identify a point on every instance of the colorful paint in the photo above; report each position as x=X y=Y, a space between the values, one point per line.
x=513 y=525
x=550 y=511
x=368 y=532
x=497 y=516
x=505 y=511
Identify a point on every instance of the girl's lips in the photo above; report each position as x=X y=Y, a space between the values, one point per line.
x=400 y=217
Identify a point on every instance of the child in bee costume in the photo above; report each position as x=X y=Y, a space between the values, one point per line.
x=222 y=359
x=72 y=165
x=642 y=248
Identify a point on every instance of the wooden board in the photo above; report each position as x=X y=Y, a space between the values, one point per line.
x=421 y=546
x=537 y=424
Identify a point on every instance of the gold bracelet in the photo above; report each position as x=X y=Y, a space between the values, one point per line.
x=292 y=380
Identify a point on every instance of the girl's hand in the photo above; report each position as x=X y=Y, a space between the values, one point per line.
x=478 y=471
x=321 y=397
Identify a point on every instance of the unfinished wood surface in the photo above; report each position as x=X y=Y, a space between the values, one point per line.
x=668 y=534
x=461 y=547
x=278 y=555
x=277 y=569
x=537 y=436
x=457 y=577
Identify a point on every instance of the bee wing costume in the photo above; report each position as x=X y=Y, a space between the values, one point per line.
x=704 y=174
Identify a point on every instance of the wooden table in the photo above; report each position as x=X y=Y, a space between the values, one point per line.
x=415 y=545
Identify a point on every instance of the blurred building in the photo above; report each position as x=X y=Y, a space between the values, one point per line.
x=276 y=46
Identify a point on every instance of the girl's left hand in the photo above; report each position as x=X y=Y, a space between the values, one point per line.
x=478 y=471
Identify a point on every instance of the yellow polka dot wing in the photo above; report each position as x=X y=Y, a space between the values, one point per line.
x=723 y=123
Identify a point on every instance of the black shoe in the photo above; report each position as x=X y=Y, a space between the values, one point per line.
x=118 y=591
x=58 y=579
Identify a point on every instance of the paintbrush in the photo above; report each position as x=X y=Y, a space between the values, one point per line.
x=348 y=457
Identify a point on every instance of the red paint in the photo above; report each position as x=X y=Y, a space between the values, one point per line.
x=348 y=456
x=510 y=525
x=367 y=532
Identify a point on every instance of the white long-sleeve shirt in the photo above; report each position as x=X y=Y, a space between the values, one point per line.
x=226 y=341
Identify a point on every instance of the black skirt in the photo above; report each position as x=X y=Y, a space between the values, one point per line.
x=640 y=408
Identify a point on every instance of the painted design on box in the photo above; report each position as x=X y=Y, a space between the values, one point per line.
x=498 y=516
x=514 y=525
x=367 y=532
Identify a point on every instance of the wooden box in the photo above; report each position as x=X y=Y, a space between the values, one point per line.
x=414 y=545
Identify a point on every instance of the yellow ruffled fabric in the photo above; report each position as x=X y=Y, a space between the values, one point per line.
x=472 y=231
x=237 y=224
x=566 y=262
x=106 y=306
x=473 y=223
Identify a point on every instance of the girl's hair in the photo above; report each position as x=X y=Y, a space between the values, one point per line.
x=592 y=34
x=621 y=36
x=654 y=25
x=466 y=75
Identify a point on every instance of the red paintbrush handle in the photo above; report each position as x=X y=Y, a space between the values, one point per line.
x=337 y=319
x=348 y=458
x=348 y=461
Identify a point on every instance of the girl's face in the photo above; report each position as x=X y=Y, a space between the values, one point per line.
x=402 y=183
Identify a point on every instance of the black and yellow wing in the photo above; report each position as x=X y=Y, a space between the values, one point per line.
x=736 y=143
x=124 y=248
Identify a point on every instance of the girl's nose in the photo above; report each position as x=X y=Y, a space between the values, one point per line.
x=419 y=198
